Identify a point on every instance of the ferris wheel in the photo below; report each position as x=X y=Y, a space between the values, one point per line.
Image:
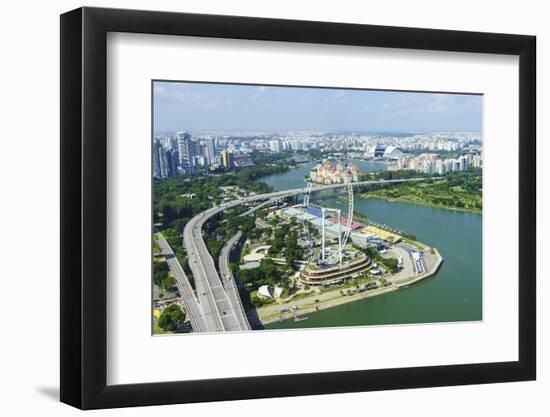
x=349 y=223
x=342 y=238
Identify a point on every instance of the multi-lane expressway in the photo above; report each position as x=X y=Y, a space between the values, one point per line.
x=213 y=298
x=219 y=306
x=184 y=287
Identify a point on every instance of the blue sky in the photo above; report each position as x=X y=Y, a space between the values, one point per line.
x=227 y=107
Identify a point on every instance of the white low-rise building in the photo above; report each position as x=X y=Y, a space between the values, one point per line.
x=278 y=291
x=264 y=291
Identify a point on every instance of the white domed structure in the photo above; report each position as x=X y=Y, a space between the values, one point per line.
x=392 y=152
x=382 y=151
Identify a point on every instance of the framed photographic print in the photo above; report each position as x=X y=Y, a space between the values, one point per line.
x=292 y=207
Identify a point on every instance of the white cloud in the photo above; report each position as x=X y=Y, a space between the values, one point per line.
x=210 y=105
x=405 y=104
x=171 y=92
x=258 y=92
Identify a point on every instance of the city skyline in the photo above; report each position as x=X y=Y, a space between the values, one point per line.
x=234 y=107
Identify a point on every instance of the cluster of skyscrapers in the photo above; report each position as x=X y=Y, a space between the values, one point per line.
x=181 y=155
x=431 y=164
x=278 y=142
x=449 y=142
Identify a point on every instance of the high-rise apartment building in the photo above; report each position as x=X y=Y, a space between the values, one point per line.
x=463 y=163
x=476 y=160
x=173 y=162
x=186 y=151
x=228 y=159
x=165 y=160
x=210 y=150
x=275 y=146
x=156 y=159
x=440 y=167
x=295 y=145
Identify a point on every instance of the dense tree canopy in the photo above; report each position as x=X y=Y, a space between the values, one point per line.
x=266 y=273
x=160 y=272
x=458 y=189
x=171 y=318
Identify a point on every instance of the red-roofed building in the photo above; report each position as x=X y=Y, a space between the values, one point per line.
x=344 y=222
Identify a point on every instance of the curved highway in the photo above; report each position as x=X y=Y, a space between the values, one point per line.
x=183 y=285
x=228 y=280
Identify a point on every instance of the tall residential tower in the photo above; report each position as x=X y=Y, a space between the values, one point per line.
x=186 y=153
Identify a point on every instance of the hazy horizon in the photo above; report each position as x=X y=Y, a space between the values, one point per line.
x=201 y=107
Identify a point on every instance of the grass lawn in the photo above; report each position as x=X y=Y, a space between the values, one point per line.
x=416 y=244
x=159 y=330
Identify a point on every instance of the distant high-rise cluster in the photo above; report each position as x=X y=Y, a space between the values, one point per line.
x=183 y=154
x=388 y=146
x=431 y=164
x=165 y=160
x=333 y=172
x=179 y=154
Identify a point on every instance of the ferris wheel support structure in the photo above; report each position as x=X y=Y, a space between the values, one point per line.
x=349 y=223
x=342 y=240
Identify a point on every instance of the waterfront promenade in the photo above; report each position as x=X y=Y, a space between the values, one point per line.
x=321 y=301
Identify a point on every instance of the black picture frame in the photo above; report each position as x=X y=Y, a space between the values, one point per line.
x=84 y=207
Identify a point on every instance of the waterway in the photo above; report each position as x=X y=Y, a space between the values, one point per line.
x=454 y=293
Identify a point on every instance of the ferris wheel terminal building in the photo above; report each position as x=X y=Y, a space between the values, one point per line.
x=336 y=265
